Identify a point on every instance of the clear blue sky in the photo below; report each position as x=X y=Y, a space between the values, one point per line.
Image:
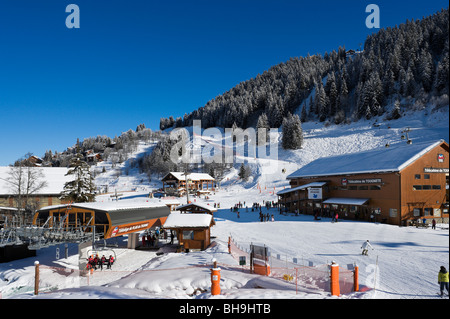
x=135 y=61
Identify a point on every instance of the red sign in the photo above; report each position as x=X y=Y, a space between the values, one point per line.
x=130 y=228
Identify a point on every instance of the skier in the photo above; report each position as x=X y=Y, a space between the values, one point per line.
x=365 y=247
x=433 y=224
x=102 y=262
x=110 y=262
x=443 y=280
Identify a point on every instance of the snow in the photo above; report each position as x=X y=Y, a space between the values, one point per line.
x=315 y=184
x=403 y=265
x=115 y=205
x=201 y=205
x=346 y=201
x=191 y=176
x=176 y=219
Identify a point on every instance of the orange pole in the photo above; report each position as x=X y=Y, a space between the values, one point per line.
x=335 y=291
x=229 y=244
x=356 y=278
x=215 y=280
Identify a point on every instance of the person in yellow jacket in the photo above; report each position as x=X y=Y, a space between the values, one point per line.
x=443 y=280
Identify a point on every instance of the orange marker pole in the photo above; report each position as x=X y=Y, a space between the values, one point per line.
x=356 y=278
x=335 y=291
x=215 y=280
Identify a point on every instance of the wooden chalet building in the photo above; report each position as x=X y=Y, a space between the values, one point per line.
x=174 y=183
x=399 y=184
x=192 y=224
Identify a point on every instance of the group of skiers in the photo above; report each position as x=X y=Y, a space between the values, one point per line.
x=150 y=239
x=94 y=261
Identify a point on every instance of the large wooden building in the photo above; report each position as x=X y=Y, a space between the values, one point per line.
x=397 y=185
x=174 y=183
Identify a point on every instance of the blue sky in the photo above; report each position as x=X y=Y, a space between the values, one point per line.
x=135 y=61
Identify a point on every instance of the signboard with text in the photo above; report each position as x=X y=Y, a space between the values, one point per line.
x=346 y=181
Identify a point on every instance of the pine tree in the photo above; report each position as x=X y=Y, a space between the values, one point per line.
x=396 y=113
x=82 y=188
x=292 y=137
x=442 y=78
x=304 y=115
x=262 y=123
x=244 y=172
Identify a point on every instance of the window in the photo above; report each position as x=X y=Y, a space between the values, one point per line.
x=188 y=234
x=392 y=212
x=363 y=188
x=426 y=176
x=417 y=187
x=416 y=212
x=426 y=186
x=427 y=212
x=417 y=176
x=375 y=187
x=353 y=188
x=436 y=187
x=437 y=212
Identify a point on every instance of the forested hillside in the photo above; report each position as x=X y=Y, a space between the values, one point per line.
x=405 y=66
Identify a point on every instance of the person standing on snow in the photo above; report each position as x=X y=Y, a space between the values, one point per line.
x=365 y=247
x=443 y=280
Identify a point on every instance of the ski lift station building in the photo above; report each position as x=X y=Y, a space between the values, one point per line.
x=109 y=219
x=397 y=184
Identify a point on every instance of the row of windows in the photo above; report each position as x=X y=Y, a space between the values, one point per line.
x=425 y=187
x=361 y=188
x=425 y=176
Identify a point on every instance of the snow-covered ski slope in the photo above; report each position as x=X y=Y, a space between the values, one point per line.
x=407 y=259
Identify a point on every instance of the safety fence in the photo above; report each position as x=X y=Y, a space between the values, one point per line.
x=297 y=274
x=291 y=274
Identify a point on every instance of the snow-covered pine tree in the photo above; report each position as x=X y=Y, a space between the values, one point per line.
x=244 y=172
x=82 y=188
x=263 y=122
x=304 y=115
x=292 y=137
x=396 y=113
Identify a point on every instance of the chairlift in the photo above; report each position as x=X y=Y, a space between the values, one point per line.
x=103 y=251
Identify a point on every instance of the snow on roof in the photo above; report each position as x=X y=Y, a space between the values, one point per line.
x=201 y=205
x=288 y=190
x=176 y=220
x=113 y=205
x=346 y=201
x=170 y=201
x=191 y=176
x=54 y=176
x=388 y=159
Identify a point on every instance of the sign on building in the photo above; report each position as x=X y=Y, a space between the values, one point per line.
x=315 y=193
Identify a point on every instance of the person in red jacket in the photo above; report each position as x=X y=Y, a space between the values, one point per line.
x=110 y=262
